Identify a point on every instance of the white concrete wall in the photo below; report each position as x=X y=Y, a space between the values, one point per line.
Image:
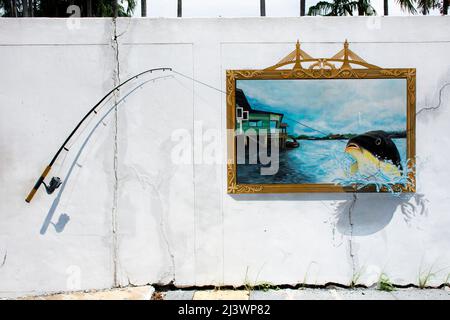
x=136 y=217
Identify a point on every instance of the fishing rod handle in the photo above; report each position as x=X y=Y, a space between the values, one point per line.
x=38 y=184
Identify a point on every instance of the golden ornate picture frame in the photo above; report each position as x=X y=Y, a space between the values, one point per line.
x=306 y=67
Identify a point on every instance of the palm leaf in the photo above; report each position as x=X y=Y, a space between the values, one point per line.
x=407 y=5
x=367 y=7
x=320 y=9
x=426 y=5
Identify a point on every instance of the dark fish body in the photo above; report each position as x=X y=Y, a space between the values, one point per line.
x=379 y=144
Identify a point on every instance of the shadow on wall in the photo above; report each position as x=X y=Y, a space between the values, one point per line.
x=357 y=214
x=64 y=218
x=369 y=213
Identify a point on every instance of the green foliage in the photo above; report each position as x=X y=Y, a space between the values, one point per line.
x=105 y=8
x=384 y=284
x=425 y=6
x=342 y=8
x=364 y=7
x=355 y=277
x=58 y=8
x=427 y=275
x=266 y=286
x=407 y=5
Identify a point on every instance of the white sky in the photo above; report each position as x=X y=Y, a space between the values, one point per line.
x=243 y=8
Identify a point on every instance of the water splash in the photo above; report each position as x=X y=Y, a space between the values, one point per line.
x=379 y=179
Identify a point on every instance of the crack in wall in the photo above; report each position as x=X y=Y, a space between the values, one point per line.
x=327 y=285
x=155 y=185
x=169 y=250
x=4 y=259
x=129 y=282
x=439 y=102
x=116 y=79
x=350 y=241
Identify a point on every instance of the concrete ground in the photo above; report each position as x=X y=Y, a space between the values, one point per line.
x=149 y=293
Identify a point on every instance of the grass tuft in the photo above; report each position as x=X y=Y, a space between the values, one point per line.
x=384 y=284
x=425 y=277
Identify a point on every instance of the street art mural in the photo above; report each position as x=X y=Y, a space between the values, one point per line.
x=321 y=125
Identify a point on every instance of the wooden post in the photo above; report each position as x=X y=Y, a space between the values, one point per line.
x=179 y=9
x=302 y=8
x=262 y=6
x=25 y=12
x=89 y=8
x=13 y=8
x=115 y=8
x=386 y=8
x=143 y=8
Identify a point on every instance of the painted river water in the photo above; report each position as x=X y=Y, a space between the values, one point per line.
x=315 y=161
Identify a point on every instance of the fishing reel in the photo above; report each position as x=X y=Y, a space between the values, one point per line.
x=53 y=185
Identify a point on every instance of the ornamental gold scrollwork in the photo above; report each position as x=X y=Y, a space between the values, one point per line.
x=233 y=187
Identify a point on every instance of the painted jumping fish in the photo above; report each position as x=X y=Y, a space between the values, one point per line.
x=374 y=151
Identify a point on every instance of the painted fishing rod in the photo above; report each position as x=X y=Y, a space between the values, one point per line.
x=55 y=181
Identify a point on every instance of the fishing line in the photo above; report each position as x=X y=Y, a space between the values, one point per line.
x=198 y=81
x=221 y=91
x=79 y=133
x=86 y=154
x=288 y=118
x=122 y=100
x=184 y=86
x=66 y=146
x=296 y=121
x=74 y=139
x=62 y=163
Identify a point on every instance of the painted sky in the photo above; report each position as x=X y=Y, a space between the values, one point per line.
x=332 y=106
